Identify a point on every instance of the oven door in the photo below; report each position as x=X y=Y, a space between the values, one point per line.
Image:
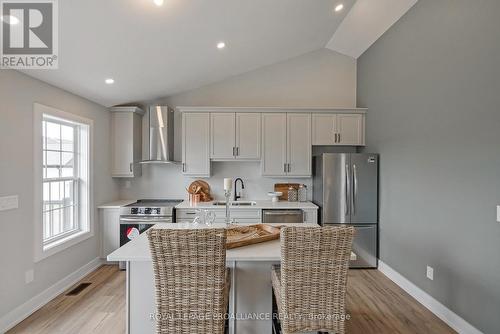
x=131 y=227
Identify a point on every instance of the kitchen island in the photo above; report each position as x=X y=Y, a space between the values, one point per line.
x=250 y=302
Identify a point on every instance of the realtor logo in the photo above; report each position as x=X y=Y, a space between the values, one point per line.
x=29 y=38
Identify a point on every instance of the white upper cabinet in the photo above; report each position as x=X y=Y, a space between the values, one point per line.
x=299 y=147
x=222 y=134
x=286 y=144
x=280 y=138
x=196 y=144
x=126 y=141
x=351 y=129
x=274 y=144
x=248 y=136
x=338 y=129
x=324 y=129
x=235 y=136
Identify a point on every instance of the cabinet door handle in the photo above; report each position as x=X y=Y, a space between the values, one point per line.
x=284 y=168
x=131 y=166
x=340 y=137
x=183 y=167
x=289 y=168
x=237 y=151
x=335 y=141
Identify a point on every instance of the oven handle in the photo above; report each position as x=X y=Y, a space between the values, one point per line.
x=145 y=221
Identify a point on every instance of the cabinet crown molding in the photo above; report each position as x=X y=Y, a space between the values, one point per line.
x=134 y=109
x=187 y=109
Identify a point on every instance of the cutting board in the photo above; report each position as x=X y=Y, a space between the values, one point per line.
x=283 y=187
x=239 y=236
x=203 y=189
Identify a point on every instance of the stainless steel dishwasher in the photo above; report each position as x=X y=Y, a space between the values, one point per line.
x=282 y=216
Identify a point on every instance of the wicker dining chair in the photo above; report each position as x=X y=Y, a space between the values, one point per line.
x=191 y=280
x=310 y=285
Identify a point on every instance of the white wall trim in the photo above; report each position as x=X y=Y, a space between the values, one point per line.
x=24 y=310
x=441 y=311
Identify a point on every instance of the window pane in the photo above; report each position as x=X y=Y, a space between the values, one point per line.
x=68 y=218
x=67 y=138
x=53 y=136
x=67 y=164
x=55 y=216
x=52 y=172
x=68 y=193
x=56 y=195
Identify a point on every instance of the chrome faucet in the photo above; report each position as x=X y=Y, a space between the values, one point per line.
x=236 y=196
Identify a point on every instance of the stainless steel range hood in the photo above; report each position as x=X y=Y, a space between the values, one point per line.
x=161 y=136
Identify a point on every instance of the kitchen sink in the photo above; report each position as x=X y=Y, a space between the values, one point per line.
x=241 y=203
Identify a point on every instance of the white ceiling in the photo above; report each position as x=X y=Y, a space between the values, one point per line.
x=365 y=23
x=153 y=52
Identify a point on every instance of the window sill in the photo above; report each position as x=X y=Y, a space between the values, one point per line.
x=61 y=244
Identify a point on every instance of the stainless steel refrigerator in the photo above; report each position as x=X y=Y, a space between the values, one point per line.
x=345 y=187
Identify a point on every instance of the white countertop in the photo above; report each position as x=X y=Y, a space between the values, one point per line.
x=259 y=205
x=138 y=249
x=117 y=204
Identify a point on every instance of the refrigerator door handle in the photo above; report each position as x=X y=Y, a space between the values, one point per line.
x=347 y=186
x=355 y=188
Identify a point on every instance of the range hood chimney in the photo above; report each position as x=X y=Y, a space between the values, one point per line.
x=161 y=136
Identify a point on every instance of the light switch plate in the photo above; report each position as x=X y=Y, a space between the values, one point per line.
x=29 y=276
x=430 y=273
x=9 y=202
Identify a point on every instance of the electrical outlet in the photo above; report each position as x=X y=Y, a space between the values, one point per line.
x=498 y=213
x=128 y=184
x=29 y=276
x=9 y=202
x=430 y=273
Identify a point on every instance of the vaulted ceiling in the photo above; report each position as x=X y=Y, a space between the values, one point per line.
x=154 y=51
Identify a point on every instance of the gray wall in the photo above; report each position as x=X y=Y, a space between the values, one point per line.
x=319 y=78
x=18 y=92
x=432 y=86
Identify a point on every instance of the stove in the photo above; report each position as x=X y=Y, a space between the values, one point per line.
x=140 y=216
x=150 y=207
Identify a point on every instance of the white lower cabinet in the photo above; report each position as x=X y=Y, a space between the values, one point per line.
x=110 y=230
x=249 y=216
x=310 y=216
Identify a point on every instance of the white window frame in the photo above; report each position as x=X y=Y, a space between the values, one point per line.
x=85 y=197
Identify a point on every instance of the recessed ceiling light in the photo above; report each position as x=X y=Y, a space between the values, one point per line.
x=109 y=81
x=221 y=45
x=339 y=7
x=9 y=19
x=158 y=2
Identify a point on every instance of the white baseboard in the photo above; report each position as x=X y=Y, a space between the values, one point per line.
x=23 y=311
x=448 y=316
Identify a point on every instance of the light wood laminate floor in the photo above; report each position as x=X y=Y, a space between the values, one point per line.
x=375 y=303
